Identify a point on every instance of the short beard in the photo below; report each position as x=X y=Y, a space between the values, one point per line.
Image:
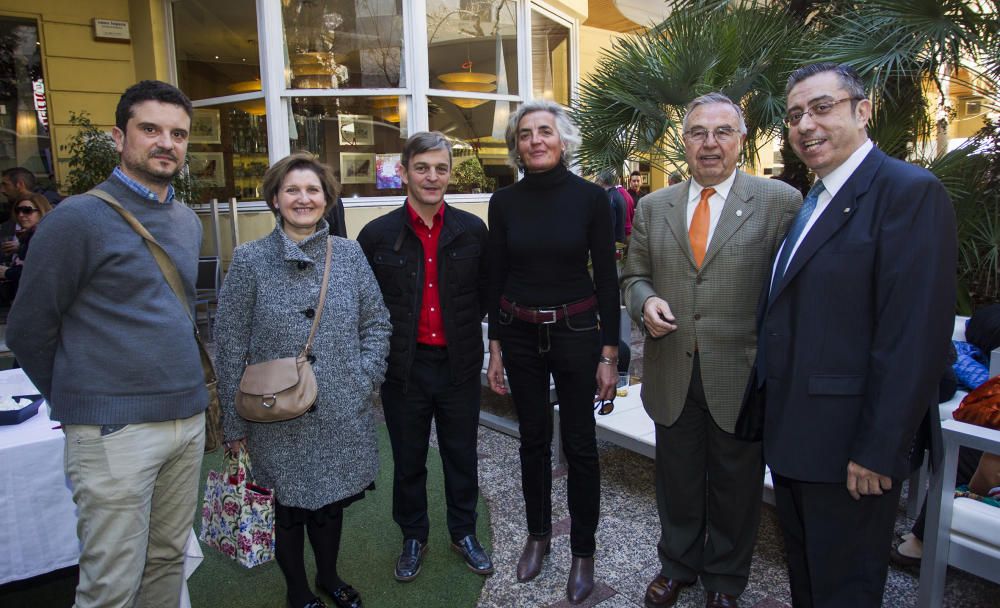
x=158 y=179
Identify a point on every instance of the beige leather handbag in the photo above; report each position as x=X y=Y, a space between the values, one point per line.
x=282 y=389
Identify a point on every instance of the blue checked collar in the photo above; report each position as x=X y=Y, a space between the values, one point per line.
x=141 y=190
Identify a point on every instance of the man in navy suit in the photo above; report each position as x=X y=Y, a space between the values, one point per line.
x=853 y=339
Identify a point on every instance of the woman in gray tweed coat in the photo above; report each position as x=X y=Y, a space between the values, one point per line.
x=320 y=462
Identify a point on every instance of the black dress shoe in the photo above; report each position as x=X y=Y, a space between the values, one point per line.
x=530 y=564
x=313 y=603
x=408 y=564
x=346 y=597
x=715 y=599
x=474 y=555
x=903 y=561
x=343 y=596
x=581 y=579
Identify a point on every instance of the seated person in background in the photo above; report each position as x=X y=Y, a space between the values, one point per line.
x=986 y=480
x=970 y=370
x=28 y=211
x=909 y=552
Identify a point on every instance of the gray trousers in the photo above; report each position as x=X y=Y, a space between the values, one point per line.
x=709 y=486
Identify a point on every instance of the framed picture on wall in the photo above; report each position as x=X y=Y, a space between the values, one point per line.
x=205 y=126
x=386 y=177
x=357 y=168
x=355 y=130
x=208 y=168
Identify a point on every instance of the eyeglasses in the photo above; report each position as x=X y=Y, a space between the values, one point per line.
x=722 y=134
x=820 y=108
x=25 y=210
x=604 y=407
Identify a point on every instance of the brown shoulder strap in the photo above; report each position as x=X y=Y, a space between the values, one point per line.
x=162 y=258
x=167 y=267
x=322 y=295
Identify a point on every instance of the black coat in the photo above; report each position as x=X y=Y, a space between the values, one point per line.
x=396 y=256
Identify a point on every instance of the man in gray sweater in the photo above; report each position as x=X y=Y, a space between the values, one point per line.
x=99 y=331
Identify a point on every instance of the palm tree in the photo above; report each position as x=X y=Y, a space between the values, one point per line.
x=631 y=106
x=908 y=51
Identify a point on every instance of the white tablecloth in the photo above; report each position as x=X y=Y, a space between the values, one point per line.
x=37 y=514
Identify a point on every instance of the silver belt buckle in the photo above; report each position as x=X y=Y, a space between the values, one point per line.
x=550 y=311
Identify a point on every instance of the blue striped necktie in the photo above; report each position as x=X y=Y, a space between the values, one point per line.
x=805 y=212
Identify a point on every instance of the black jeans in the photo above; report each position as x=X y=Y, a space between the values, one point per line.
x=568 y=350
x=455 y=410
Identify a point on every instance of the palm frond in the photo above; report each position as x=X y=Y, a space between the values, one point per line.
x=633 y=102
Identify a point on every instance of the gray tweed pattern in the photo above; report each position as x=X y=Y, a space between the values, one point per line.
x=715 y=305
x=330 y=453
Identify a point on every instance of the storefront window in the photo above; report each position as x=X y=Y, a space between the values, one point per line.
x=228 y=150
x=216 y=45
x=347 y=91
x=360 y=138
x=339 y=44
x=549 y=59
x=477 y=136
x=472 y=45
x=24 y=117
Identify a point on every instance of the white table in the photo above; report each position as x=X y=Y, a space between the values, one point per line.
x=37 y=513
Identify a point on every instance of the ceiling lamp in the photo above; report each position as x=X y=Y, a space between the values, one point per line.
x=246 y=86
x=310 y=36
x=387 y=108
x=467 y=77
x=473 y=82
x=466 y=103
x=254 y=107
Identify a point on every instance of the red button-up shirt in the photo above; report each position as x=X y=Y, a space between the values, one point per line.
x=430 y=326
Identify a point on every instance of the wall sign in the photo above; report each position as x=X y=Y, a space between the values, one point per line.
x=111 y=29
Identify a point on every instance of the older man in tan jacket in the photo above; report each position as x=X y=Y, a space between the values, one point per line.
x=700 y=255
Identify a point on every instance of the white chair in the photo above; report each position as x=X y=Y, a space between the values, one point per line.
x=961 y=532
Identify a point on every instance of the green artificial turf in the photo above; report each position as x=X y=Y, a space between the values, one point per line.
x=370 y=545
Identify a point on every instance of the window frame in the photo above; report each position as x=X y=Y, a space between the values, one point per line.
x=277 y=98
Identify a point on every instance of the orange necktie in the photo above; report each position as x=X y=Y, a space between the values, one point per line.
x=698 y=232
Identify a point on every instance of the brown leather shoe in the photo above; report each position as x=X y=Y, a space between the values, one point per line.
x=663 y=592
x=530 y=564
x=714 y=599
x=581 y=579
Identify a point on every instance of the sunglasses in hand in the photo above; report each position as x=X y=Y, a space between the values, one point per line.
x=604 y=406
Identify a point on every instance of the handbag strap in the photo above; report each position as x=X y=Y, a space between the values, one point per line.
x=168 y=269
x=322 y=296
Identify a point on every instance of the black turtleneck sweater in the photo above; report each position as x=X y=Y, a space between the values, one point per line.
x=542 y=230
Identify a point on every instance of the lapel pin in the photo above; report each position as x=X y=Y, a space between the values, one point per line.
x=739 y=213
x=847 y=209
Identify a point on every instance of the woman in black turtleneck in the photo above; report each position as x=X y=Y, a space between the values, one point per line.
x=543 y=231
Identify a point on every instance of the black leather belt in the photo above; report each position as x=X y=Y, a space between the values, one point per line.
x=547 y=315
x=431 y=347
